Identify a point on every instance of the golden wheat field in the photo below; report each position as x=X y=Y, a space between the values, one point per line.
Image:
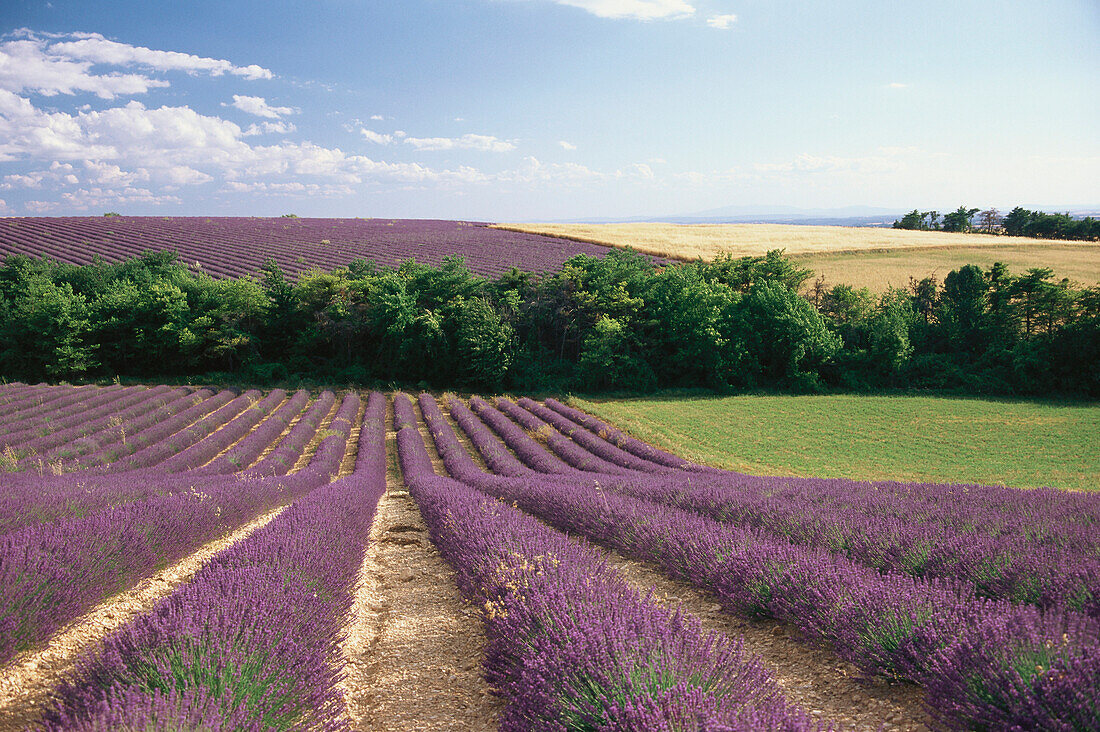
x=865 y=257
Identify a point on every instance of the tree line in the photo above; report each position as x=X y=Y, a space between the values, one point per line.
x=614 y=323
x=1018 y=222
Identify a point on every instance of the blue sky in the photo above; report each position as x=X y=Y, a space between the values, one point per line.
x=544 y=109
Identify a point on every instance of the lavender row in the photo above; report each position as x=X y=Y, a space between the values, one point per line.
x=287 y=452
x=43 y=447
x=529 y=452
x=193 y=433
x=61 y=414
x=593 y=443
x=115 y=457
x=38 y=405
x=566 y=449
x=492 y=450
x=222 y=436
x=960 y=647
x=821 y=513
x=19 y=400
x=276 y=601
x=239 y=246
x=1012 y=568
x=245 y=452
x=104 y=405
x=50 y=574
x=624 y=441
x=37 y=502
x=570 y=645
x=95 y=454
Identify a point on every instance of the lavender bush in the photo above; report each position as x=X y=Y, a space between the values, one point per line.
x=216 y=654
x=571 y=646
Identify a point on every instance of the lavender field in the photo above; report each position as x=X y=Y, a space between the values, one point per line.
x=238 y=246
x=982 y=601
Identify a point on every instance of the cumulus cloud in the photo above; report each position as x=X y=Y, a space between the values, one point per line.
x=635 y=9
x=722 y=22
x=259 y=107
x=483 y=143
x=268 y=128
x=51 y=64
x=375 y=137
x=566 y=145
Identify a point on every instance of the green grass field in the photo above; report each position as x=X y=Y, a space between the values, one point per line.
x=956 y=440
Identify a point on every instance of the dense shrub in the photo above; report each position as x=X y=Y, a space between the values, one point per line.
x=618 y=322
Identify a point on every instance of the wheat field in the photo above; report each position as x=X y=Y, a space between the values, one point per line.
x=861 y=256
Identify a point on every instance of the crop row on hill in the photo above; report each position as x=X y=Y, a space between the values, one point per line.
x=239 y=246
x=1010 y=637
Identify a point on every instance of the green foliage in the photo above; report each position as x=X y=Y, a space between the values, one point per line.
x=617 y=322
x=778 y=336
x=959 y=219
x=610 y=359
x=919 y=221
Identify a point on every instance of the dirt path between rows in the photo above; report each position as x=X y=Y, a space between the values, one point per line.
x=829 y=688
x=28 y=681
x=414 y=646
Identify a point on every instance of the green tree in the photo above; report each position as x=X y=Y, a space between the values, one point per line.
x=912 y=220
x=610 y=359
x=687 y=317
x=779 y=337
x=959 y=219
x=43 y=329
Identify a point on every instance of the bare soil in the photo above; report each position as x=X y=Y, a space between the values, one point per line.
x=414 y=645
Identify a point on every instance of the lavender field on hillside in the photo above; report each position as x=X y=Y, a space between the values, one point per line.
x=237 y=246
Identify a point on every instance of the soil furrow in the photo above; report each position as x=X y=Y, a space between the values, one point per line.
x=414 y=645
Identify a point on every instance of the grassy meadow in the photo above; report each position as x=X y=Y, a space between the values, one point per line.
x=860 y=256
x=911 y=438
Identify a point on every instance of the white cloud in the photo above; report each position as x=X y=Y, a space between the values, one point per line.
x=377 y=117
x=636 y=9
x=375 y=137
x=483 y=143
x=26 y=67
x=97 y=49
x=58 y=174
x=639 y=171
x=267 y=128
x=722 y=22
x=51 y=64
x=259 y=107
x=134 y=154
x=534 y=171
x=896 y=85
x=567 y=145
